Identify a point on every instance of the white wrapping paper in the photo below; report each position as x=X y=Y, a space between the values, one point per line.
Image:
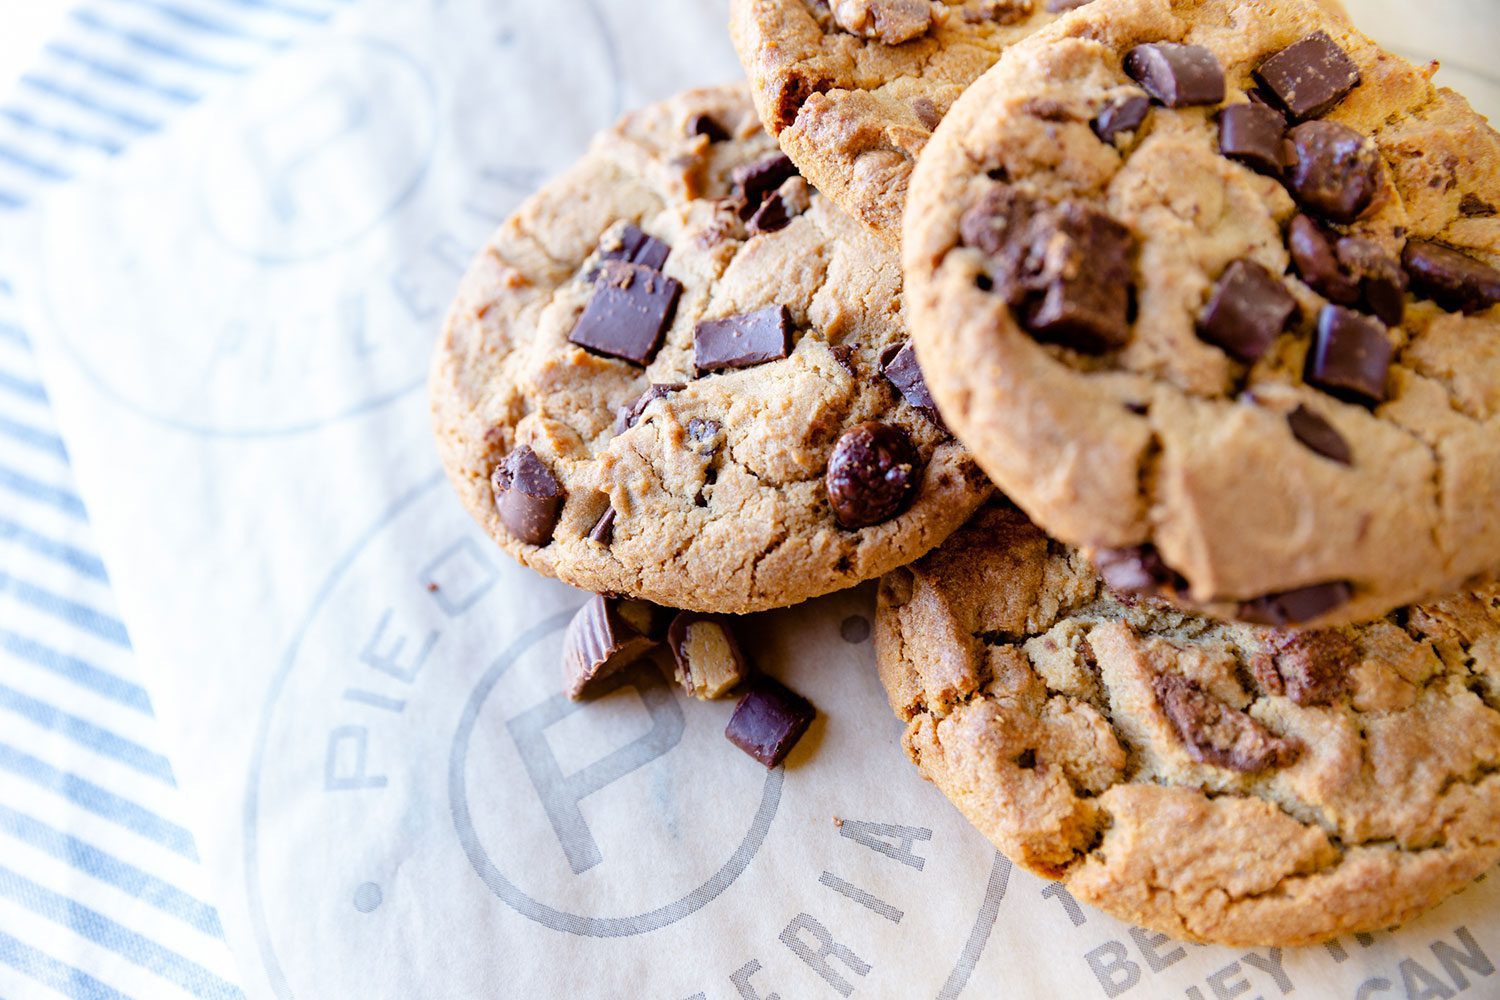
x=393 y=796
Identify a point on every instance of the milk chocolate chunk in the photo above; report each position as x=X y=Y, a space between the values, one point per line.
x=1336 y=170
x=528 y=496
x=872 y=474
x=1063 y=6
x=1218 y=734
x=773 y=216
x=1319 y=435
x=1452 y=279
x=709 y=660
x=1310 y=668
x=891 y=22
x=1177 y=75
x=636 y=247
x=769 y=720
x=606 y=635
x=1317 y=262
x=629 y=414
x=1471 y=206
x=1350 y=356
x=753 y=182
x=1309 y=77
x=1378 y=275
x=1139 y=571
x=742 y=341
x=708 y=127
x=1247 y=312
x=898 y=363
x=629 y=314
x=1253 y=134
x=603 y=530
x=1294 y=607
x=1121 y=116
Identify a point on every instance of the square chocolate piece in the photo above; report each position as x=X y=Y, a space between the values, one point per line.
x=769 y=720
x=629 y=314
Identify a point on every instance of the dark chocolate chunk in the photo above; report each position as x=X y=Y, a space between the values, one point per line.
x=1317 y=263
x=603 y=530
x=1294 y=607
x=769 y=720
x=1121 y=116
x=1252 y=134
x=1381 y=281
x=1319 y=435
x=1137 y=572
x=890 y=22
x=1310 y=77
x=1177 y=75
x=627 y=415
x=629 y=314
x=528 y=496
x=1311 y=668
x=1471 y=206
x=1219 y=734
x=742 y=341
x=773 y=215
x=872 y=474
x=1452 y=279
x=1247 y=312
x=708 y=127
x=636 y=247
x=601 y=640
x=1350 y=356
x=898 y=363
x=844 y=355
x=1336 y=171
x=753 y=182
x=710 y=662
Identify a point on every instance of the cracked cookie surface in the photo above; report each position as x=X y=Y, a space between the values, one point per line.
x=1217 y=782
x=708 y=491
x=1271 y=425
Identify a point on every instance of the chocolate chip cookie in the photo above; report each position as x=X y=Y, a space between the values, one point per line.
x=1209 y=287
x=1226 y=783
x=665 y=377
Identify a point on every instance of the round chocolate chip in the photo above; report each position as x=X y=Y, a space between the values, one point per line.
x=872 y=474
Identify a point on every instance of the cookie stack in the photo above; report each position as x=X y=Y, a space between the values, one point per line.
x=1207 y=288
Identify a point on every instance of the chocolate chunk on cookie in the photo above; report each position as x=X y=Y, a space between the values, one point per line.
x=899 y=365
x=1249 y=309
x=1319 y=435
x=1335 y=171
x=1253 y=134
x=1451 y=278
x=1176 y=75
x=629 y=313
x=1216 y=734
x=1350 y=357
x=528 y=496
x=873 y=474
x=1309 y=77
x=1121 y=116
x=742 y=341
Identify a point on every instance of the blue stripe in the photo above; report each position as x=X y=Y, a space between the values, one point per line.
x=127 y=75
x=40 y=168
x=11 y=200
x=287 y=10
x=88 y=735
x=88 y=103
x=33 y=437
x=64 y=979
x=5 y=288
x=61 y=133
x=79 y=560
x=80 y=672
x=106 y=867
x=123 y=941
x=11 y=332
x=198 y=22
x=32 y=489
x=102 y=803
x=153 y=46
x=23 y=387
x=77 y=614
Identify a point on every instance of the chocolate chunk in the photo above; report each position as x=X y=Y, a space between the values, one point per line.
x=1137 y=572
x=1471 y=206
x=891 y=22
x=1336 y=171
x=1062 y=6
x=844 y=355
x=1350 y=356
x=1317 y=263
x=742 y=341
x=769 y=720
x=1381 y=281
x=1247 y=312
x=1252 y=134
x=1319 y=435
x=1452 y=279
x=773 y=215
x=1310 y=77
x=1121 y=116
x=1177 y=75
x=753 y=182
x=927 y=112
x=709 y=660
x=603 y=530
x=606 y=635
x=1294 y=607
x=708 y=127
x=627 y=416
x=629 y=314
x=636 y=247
x=702 y=431
x=1218 y=734
x=872 y=474
x=1311 y=668
x=528 y=496
x=898 y=363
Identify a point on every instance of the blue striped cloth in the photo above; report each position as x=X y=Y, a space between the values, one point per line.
x=100 y=887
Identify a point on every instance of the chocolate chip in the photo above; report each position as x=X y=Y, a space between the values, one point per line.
x=1319 y=435
x=1121 y=116
x=1381 y=281
x=927 y=112
x=709 y=660
x=769 y=720
x=1350 y=356
x=891 y=22
x=1309 y=77
x=1062 y=6
x=528 y=496
x=1177 y=75
x=1471 y=206
x=1452 y=279
x=601 y=640
x=1247 y=312
x=603 y=530
x=629 y=314
x=1252 y=134
x=898 y=363
x=707 y=126
x=773 y=216
x=702 y=431
x=1311 y=667
x=1139 y=571
x=742 y=341
x=1317 y=263
x=1336 y=171
x=753 y=182
x=872 y=474
x=1294 y=607
x=844 y=355
x=636 y=247
x=1218 y=734
x=627 y=415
